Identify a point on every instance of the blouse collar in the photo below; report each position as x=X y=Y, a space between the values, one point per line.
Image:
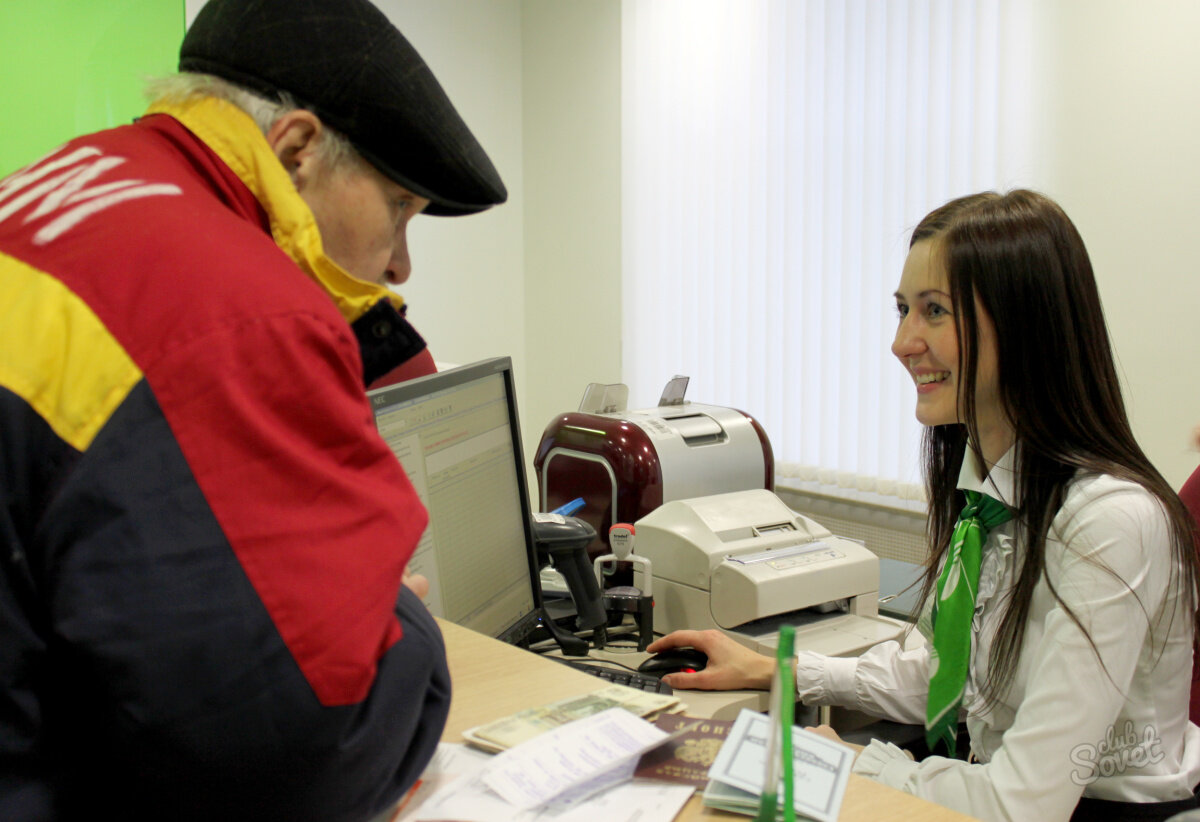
x=999 y=483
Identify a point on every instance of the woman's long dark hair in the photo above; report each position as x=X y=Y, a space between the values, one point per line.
x=1022 y=258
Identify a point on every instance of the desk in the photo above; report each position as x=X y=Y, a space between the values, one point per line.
x=492 y=679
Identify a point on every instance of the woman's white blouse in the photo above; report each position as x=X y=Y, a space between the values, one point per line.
x=1067 y=725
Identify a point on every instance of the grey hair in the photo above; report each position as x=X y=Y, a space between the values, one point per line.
x=333 y=148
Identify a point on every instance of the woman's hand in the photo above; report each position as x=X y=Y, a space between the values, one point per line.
x=730 y=666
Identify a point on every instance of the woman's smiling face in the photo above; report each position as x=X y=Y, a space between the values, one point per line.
x=926 y=344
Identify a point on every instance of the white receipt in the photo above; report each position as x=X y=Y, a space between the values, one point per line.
x=452 y=788
x=468 y=800
x=578 y=758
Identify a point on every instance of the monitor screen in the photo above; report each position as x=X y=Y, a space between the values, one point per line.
x=457 y=435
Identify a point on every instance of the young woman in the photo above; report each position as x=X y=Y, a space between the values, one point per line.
x=1060 y=606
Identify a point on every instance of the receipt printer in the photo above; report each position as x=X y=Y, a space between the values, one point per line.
x=746 y=564
x=624 y=464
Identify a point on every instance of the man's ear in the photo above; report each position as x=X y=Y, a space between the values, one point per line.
x=294 y=138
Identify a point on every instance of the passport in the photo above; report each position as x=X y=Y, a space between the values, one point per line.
x=685 y=758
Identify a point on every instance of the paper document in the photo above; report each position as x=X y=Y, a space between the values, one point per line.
x=449 y=763
x=821 y=767
x=461 y=795
x=580 y=757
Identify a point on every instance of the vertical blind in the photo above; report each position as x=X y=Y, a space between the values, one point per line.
x=776 y=155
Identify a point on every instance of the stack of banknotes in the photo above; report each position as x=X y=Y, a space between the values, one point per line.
x=512 y=730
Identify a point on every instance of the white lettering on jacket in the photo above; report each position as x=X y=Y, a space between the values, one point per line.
x=63 y=189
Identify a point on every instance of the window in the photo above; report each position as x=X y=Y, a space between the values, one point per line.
x=776 y=156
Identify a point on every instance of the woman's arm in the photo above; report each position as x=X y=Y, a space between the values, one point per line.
x=885 y=681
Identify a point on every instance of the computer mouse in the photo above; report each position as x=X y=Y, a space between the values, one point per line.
x=687 y=660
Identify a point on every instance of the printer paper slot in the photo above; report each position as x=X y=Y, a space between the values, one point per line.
x=777 y=528
x=773 y=554
x=769 y=626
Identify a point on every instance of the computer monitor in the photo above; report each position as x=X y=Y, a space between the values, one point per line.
x=457 y=435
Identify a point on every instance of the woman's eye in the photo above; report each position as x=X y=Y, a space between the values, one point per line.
x=935 y=310
x=901 y=310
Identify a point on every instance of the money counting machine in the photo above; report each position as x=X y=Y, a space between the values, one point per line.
x=745 y=563
x=624 y=464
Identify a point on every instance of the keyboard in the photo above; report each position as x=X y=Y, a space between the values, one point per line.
x=619 y=676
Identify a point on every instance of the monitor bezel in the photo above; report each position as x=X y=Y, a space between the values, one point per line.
x=520 y=631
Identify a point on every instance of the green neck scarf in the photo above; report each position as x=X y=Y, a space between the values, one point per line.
x=953 y=610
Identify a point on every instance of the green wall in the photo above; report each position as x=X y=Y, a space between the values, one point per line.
x=74 y=66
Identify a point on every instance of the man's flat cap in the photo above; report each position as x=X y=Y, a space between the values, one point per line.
x=346 y=62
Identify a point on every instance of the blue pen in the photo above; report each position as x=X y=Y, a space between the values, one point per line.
x=569 y=508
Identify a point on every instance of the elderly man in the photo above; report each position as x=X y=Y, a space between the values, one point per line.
x=201 y=603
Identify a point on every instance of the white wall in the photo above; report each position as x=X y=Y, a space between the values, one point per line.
x=1120 y=83
x=572 y=126
x=538 y=278
x=466 y=295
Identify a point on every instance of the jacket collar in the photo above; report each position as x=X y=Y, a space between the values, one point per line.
x=237 y=140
